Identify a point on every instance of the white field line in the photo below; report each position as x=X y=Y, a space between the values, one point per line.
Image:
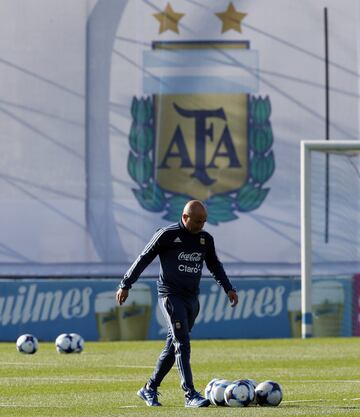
x=129 y=406
x=304 y=401
x=317 y=400
x=317 y=381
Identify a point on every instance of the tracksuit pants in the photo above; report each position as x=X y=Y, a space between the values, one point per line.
x=180 y=314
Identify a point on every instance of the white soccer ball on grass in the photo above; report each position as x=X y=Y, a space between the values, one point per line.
x=268 y=393
x=69 y=343
x=239 y=394
x=254 y=384
x=217 y=391
x=63 y=343
x=27 y=343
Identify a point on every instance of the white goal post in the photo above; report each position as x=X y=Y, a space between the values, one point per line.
x=307 y=146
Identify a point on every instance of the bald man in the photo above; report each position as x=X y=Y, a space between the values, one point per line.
x=182 y=248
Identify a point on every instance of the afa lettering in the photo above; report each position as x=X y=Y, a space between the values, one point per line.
x=224 y=149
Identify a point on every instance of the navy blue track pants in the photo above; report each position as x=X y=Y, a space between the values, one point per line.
x=180 y=314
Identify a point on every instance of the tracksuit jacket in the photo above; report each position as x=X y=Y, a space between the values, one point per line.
x=182 y=255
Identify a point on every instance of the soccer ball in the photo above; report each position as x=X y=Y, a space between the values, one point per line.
x=253 y=384
x=217 y=391
x=268 y=393
x=239 y=394
x=77 y=343
x=64 y=343
x=27 y=343
x=207 y=390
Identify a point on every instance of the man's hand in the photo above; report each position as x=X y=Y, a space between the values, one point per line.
x=233 y=298
x=122 y=295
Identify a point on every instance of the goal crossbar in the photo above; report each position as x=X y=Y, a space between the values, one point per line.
x=307 y=146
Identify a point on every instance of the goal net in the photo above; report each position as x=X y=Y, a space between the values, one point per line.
x=330 y=233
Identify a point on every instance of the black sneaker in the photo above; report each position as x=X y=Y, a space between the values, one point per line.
x=150 y=396
x=196 y=400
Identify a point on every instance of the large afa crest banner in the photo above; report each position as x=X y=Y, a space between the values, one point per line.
x=116 y=113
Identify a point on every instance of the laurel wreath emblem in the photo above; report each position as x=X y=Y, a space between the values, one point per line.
x=222 y=207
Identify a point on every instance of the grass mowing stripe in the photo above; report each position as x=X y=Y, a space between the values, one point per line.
x=31 y=379
x=30 y=406
x=58 y=364
x=75 y=379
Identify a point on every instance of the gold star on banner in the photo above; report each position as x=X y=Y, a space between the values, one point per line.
x=231 y=18
x=168 y=19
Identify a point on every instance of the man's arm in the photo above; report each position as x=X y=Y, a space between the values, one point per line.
x=217 y=270
x=143 y=260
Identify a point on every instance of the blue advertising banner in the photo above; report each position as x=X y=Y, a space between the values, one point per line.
x=267 y=308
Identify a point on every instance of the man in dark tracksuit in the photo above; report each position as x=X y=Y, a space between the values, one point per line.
x=182 y=248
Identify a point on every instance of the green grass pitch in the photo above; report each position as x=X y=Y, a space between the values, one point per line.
x=320 y=377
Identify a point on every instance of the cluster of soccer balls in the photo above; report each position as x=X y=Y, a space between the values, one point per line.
x=243 y=392
x=64 y=343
